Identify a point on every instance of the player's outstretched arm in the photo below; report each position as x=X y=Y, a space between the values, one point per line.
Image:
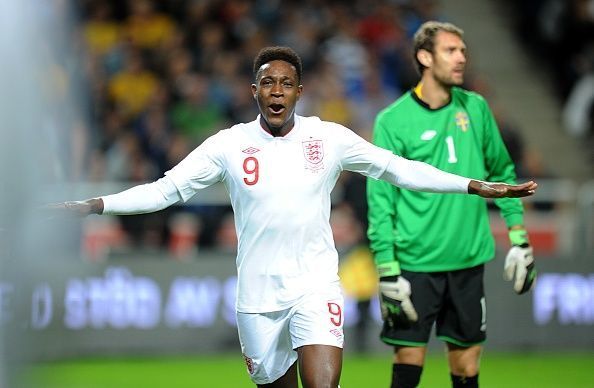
x=79 y=208
x=501 y=190
x=141 y=199
x=420 y=176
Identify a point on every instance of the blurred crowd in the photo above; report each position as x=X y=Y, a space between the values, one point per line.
x=165 y=75
x=162 y=76
x=560 y=34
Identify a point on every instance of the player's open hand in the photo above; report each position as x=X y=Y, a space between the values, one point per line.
x=501 y=190
x=77 y=208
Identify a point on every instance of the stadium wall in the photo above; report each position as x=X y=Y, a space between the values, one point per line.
x=140 y=305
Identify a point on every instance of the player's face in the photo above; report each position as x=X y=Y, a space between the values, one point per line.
x=449 y=59
x=277 y=90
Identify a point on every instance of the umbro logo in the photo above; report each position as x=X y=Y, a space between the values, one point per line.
x=428 y=134
x=250 y=150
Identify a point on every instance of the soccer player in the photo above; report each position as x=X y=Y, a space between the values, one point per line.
x=429 y=249
x=279 y=171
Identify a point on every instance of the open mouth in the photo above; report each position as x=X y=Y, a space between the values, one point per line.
x=276 y=108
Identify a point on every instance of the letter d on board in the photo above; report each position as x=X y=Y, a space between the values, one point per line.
x=41 y=307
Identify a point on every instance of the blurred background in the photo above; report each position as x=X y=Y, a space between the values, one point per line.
x=99 y=95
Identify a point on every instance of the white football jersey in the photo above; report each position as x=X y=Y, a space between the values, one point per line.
x=280 y=192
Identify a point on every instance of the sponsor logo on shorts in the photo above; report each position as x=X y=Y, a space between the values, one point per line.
x=249 y=363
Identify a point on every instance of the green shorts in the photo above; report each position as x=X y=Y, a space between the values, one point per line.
x=454 y=301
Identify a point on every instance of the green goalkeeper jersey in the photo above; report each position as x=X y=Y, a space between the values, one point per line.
x=429 y=232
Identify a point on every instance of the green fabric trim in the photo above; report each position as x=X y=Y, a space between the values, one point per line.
x=459 y=343
x=514 y=219
x=383 y=256
x=518 y=236
x=388 y=269
x=390 y=341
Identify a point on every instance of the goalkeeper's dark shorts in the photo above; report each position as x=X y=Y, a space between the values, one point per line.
x=454 y=301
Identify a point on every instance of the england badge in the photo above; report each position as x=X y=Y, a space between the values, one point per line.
x=313 y=151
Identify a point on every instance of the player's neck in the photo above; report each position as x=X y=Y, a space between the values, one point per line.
x=433 y=93
x=278 y=131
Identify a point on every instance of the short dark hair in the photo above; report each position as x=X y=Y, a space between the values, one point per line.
x=274 y=53
x=424 y=38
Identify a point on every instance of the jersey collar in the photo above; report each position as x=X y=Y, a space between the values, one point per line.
x=292 y=133
x=425 y=105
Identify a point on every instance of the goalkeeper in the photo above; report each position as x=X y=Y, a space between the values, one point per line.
x=430 y=249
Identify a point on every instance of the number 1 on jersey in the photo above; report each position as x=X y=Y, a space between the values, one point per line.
x=451 y=150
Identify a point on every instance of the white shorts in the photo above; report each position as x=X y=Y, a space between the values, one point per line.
x=268 y=340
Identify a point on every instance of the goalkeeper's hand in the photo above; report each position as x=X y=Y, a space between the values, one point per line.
x=519 y=262
x=394 y=293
